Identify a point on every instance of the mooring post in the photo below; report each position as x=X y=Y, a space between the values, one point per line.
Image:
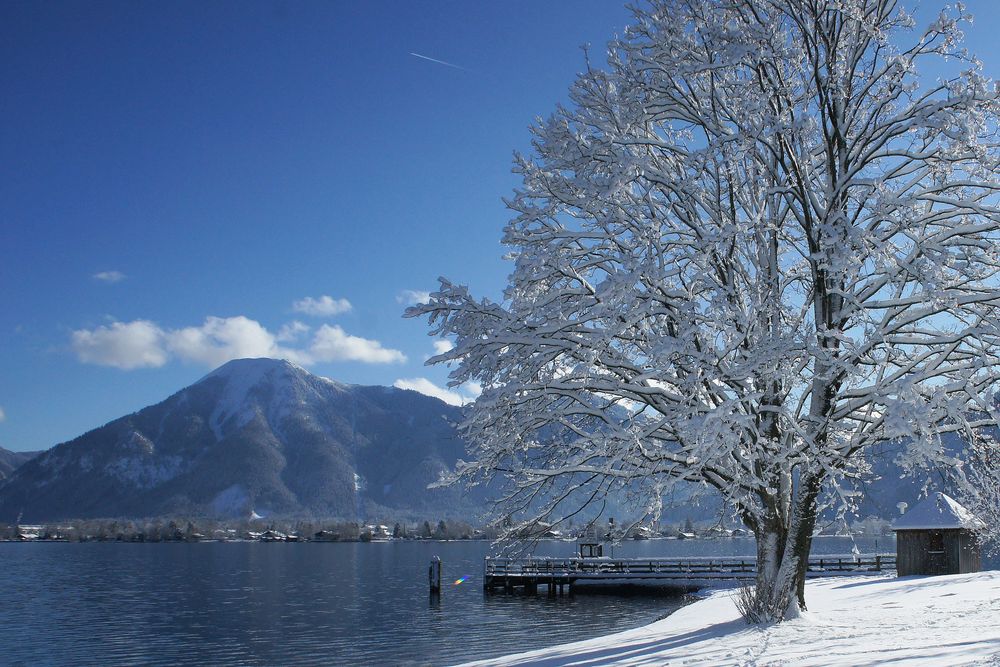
x=434 y=573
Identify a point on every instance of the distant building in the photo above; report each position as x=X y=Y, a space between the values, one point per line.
x=378 y=532
x=326 y=536
x=271 y=535
x=938 y=536
x=26 y=533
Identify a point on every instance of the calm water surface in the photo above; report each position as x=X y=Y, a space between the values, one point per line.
x=303 y=604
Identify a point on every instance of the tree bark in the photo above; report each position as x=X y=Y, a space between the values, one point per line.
x=801 y=532
x=772 y=592
x=783 y=546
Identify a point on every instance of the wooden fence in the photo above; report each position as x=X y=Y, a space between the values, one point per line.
x=506 y=573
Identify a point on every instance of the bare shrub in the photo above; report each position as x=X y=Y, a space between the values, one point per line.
x=763 y=607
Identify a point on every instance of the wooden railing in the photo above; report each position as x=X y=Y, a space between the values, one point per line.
x=673 y=568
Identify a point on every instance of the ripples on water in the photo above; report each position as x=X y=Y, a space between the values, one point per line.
x=303 y=604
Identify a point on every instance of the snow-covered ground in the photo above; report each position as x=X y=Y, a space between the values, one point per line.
x=932 y=621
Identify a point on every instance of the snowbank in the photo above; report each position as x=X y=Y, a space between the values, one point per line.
x=932 y=621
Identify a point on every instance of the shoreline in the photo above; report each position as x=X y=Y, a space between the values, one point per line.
x=852 y=621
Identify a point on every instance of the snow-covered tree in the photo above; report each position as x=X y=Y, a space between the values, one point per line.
x=979 y=487
x=754 y=246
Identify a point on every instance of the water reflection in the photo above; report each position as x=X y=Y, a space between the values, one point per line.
x=308 y=604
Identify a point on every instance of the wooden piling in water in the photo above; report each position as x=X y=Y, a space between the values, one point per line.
x=434 y=575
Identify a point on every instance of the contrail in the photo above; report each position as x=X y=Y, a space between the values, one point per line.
x=439 y=62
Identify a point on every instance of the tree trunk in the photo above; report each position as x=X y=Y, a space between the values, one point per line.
x=775 y=578
x=801 y=531
x=783 y=556
x=771 y=539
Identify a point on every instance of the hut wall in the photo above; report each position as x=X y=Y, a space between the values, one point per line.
x=911 y=550
x=951 y=564
x=932 y=552
x=969 y=559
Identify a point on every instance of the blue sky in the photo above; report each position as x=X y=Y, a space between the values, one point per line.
x=167 y=163
x=184 y=182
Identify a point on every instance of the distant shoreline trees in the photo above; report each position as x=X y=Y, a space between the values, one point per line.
x=205 y=529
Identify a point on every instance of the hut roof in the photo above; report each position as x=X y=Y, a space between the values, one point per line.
x=938 y=511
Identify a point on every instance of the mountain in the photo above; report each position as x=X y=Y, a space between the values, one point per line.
x=267 y=437
x=255 y=435
x=11 y=461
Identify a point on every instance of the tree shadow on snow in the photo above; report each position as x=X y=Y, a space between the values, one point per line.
x=925 y=581
x=631 y=652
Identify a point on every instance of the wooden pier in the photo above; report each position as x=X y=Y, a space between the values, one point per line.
x=562 y=575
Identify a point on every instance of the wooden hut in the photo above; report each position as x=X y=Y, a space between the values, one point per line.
x=938 y=536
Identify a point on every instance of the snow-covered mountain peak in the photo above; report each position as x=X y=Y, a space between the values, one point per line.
x=253 y=434
x=251 y=371
x=271 y=388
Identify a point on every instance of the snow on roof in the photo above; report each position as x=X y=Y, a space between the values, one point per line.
x=939 y=510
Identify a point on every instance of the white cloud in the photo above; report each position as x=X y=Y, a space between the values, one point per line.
x=220 y=339
x=138 y=344
x=411 y=297
x=109 y=276
x=331 y=343
x=449 y=396
x=325 y=306
x=428 y=388
x=442 y=346
x=292 y=331
x=3 y=415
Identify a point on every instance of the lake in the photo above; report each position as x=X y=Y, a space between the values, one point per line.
x=306 y=604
